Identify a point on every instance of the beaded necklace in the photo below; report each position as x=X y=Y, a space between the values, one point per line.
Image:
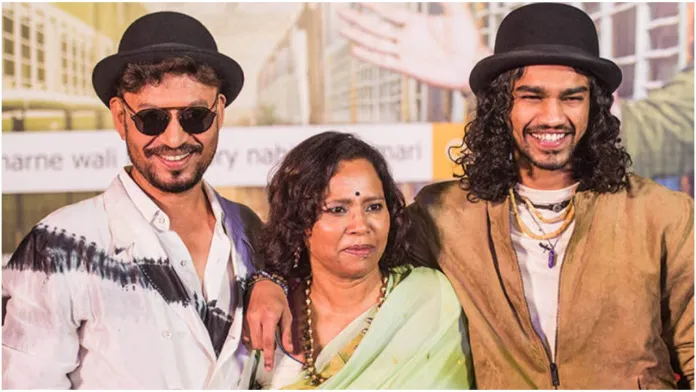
x=309 y=368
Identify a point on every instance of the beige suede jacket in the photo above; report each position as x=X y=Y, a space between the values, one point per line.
x=626 y=299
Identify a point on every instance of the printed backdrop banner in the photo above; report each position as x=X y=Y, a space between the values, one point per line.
x=395 y=73
x=89 y=160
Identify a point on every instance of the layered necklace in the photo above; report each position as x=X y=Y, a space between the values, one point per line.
x=309 y=368
x=566 y=217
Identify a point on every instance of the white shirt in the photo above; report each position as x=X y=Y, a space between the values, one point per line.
x=104 y=295
x=540 y=282
x=218 y=286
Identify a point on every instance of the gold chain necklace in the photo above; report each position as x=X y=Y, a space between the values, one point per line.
x=566 y=222
x=310 y=370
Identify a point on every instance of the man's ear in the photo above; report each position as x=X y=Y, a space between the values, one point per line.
x=118 y=116
x=221 y=109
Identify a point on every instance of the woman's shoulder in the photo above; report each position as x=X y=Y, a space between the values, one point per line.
x=425 y=294
x=409 y=271
x=426 y=279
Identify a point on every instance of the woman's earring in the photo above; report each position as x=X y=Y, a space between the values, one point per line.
x=296 y=256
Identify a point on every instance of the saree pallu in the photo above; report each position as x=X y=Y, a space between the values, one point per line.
x=417 y=340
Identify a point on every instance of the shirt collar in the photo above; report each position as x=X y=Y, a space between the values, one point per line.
x=214 y=203
x=151 y=212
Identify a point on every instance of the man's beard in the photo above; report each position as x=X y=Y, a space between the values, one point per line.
x=178 y=185
x=558 y=164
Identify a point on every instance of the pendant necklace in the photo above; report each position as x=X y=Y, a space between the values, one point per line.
x=551 y=248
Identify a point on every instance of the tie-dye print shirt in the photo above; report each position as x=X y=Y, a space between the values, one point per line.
x=104 y=295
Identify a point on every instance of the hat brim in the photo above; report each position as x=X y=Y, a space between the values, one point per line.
x=108 y=70
x=489 y=68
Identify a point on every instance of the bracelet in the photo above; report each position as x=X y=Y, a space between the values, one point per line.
x=273 y=277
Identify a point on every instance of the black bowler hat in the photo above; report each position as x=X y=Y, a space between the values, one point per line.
x=545 y=34
x=162 y=35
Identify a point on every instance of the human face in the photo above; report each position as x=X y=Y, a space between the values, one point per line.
x=350 y=234
x=174 y=161
x=550 y=112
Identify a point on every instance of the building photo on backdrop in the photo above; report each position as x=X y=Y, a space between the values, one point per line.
x=311 y=67
x=331 y=245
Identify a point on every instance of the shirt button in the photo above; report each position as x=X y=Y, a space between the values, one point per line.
x=160 y=220
x=166 y=334
x=183 y=263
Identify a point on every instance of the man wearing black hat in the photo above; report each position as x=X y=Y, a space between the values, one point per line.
x=573 y=272
x=140 y=287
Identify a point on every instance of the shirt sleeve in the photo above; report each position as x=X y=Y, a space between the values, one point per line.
x=40 y=342
x=658 y=131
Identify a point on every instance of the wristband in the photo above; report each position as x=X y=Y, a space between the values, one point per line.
x=273 y=277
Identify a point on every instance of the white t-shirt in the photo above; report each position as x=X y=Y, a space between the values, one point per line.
x=541 y=282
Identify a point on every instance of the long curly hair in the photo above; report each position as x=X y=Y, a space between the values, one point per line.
x=599 y=162
x=297 y=191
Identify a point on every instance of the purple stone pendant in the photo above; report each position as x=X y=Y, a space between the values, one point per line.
x=552 y=258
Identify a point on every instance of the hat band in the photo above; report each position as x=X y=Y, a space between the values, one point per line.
x=166 y=47
x=550 y=49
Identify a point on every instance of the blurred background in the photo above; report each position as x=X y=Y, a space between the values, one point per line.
x=394 y=73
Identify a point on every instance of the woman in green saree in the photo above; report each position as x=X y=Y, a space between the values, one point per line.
x=362 y=317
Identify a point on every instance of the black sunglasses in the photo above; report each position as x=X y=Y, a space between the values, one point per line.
x=153 y=122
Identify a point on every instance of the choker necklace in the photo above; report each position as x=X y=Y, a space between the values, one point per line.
x=311 y=373
x=555 y=207
x=532 y=210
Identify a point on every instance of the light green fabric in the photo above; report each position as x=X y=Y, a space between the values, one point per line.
x=658 y=131
x=417 y=340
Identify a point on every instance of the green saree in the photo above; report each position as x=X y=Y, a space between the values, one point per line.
x=417 y=340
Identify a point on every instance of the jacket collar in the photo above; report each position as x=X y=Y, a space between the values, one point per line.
x=236 y=230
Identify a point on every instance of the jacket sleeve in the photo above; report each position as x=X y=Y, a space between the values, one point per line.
x=253 y=227
x=40 y=341
x=422 y=240
x=678 y=290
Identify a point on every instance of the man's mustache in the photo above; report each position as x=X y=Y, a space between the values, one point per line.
x=541 y=128
x=181 y=150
